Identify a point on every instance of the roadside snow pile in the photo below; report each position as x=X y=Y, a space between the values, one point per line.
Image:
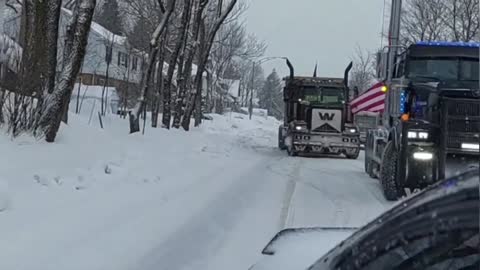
x=257 y=133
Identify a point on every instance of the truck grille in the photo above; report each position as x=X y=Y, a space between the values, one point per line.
x=455 y=141
x=464 y=108
x=326 y=128
x=471 y=126
x=463 y=122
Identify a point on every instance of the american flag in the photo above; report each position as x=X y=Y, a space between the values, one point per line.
x=372 y=100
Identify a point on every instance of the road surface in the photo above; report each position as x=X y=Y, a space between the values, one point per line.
x=255 y=201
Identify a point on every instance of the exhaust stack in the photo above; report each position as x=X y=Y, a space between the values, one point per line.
x=348 y=118
x=292 y=71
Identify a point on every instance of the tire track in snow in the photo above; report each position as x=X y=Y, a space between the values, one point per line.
x=288 y=212
x=203 y=235
x=338 y=202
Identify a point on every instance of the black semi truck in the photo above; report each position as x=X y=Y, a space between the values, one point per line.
x=432 y=113
x=316 y=118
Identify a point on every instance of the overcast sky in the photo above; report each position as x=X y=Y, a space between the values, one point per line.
x=307 y=31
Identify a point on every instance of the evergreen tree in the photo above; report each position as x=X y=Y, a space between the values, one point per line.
x=270 y=97
x=109 y=17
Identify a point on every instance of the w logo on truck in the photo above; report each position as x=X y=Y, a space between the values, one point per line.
x=326 y=116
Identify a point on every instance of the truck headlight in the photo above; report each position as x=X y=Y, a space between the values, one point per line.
x=422 y=156
x=423 y=135
x=471 y=146
x=300 y=128
x=352 y=130
x=418 y=135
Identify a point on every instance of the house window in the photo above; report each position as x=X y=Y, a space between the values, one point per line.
x=108 y=54
x=122 y=59
x=134 y=63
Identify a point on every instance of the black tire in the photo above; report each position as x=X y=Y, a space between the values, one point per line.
x=291 y=152
x=354 y=156
x=281 y=139
x=388 y=172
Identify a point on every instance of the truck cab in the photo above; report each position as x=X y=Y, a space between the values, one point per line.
x=315 y=119
x=432 y=111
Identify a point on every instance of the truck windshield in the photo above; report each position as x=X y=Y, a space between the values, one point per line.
x=444 y=69
x=319 y=96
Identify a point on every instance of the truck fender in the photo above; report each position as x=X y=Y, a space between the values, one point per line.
x=395 y=137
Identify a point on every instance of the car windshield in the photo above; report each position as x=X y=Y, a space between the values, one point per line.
x=444 y=69
x=324 y=95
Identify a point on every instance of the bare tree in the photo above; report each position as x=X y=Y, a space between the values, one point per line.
x=461 y=17
x=185 y=80
x=195 y=100
x=145 y=15
x=423 y=20
x=76 y=43
x=363 y=70
x=152 y=56
x=180 y=42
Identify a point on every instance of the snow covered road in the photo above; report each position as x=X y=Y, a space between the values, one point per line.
x=209 y=199
x=276 y=192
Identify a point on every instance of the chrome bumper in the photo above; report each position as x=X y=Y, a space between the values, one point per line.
x=326 y=143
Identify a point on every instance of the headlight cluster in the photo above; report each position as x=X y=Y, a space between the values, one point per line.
x=352 y=130
x=422 y=135
x=300 y=128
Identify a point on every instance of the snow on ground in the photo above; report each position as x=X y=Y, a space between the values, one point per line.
x=207 y=199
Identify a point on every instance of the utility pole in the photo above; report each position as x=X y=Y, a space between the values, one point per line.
x=394 y=36
x=393 y=45
x=250 y=106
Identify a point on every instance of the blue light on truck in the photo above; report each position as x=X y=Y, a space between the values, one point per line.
x=449 y=44
x=403 y=99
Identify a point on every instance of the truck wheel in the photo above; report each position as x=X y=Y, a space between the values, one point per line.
x=353 y=156
x=291 y=152
x=388 y=172
x=281 y=139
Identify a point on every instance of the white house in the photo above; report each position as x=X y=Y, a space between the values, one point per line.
x=106 y=51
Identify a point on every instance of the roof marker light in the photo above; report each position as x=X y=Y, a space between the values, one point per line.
x=449 y=44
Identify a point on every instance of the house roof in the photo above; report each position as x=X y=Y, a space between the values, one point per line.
x=102 y=31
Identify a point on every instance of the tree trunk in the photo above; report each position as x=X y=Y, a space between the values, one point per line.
x=52 y=38
x=140 y=107
x=135 y=115
x=56 y=102
x=159 y=92
x=203 y=62
x=185 y=81
x=167 y=109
